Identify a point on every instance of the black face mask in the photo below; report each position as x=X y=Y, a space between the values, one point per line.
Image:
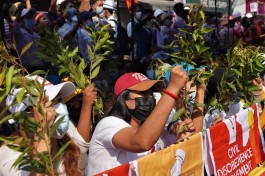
x=143 y=107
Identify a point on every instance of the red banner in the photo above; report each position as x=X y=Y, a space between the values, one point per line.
x=235 y=146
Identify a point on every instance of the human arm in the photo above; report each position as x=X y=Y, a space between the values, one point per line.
x=52 y=8
x=43 y=144
x=257 y=93
x=197 y=113
x=84 y=123
x=65 y=33
x=144 y=138
x=28 y=5
x=84 y=6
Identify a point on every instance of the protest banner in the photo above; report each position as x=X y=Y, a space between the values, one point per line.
x=184 y=158
x=235 y=146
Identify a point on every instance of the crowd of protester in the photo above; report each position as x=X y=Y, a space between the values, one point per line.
x=138 y=121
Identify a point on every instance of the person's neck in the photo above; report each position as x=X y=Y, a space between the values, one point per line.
x=135 y=123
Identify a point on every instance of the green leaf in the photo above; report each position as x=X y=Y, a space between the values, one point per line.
x=10 y=139
x=2 y=76
x=97 y=62
x=253 y=88
x=55 y=125
x=62 y=70
x=62 y=149
x=60 y=58
x=26 y=47
x=214 y=102
x=239 y=84
x=9 y=76
x=237 y=72
x=95 y=72
x=178 y=114
x=199 y=105
x=232 y=86
x=101 y=42
x=198 y=47
x=21 y=157
x=73 y=53
x=90 y=53
x=20 y=95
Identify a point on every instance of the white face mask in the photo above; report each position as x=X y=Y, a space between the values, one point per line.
x=138 y=15
x=62 y=112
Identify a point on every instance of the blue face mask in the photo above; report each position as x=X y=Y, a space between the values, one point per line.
x=72 y=12
x=29 y=23
x=62 y=112
x=99 y=10
x=138 y=15
x=90 y=24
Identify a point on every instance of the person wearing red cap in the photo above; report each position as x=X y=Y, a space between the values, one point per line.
x=135 y=122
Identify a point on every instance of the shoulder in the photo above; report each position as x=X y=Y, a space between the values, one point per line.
x=110 y=125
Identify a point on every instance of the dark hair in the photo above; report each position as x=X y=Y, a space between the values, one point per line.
x=120 y=108
x=135 y=6
x=178 y=7
x=92 y=2
x=109 y=10
x=64 y=4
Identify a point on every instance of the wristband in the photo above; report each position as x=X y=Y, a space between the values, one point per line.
x=170 y=94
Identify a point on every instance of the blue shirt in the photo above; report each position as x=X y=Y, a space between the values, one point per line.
x=22 y=38
x=83 y=42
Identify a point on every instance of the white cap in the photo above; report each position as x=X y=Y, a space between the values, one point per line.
x=110 y=4
x=236 y=14
x=158 y=12
x=59 y=2
x=65 y=88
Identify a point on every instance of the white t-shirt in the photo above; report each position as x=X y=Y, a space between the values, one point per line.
x=9 y=156
x=103 y=155
x=7 y=159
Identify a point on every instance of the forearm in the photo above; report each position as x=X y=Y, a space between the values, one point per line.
x=70 y=35
x=197 y=114
x=28 y=5
x=52 y=8
x=152 y=128
x=41 y=144
x=85 y=6
x=84 y=123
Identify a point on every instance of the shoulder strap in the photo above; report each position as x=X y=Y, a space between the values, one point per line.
x=114 y=20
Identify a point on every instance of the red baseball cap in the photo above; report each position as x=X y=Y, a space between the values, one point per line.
x=133 y=81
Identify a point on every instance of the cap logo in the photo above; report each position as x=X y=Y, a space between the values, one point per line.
x=40 y=79
x=139 y=76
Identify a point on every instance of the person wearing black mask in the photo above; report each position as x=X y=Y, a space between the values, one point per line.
x=135 y=122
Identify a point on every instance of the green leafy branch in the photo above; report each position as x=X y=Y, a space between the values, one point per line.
x=12 y=76
x=72 y=66
x=191 y=49
x=243 y=65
